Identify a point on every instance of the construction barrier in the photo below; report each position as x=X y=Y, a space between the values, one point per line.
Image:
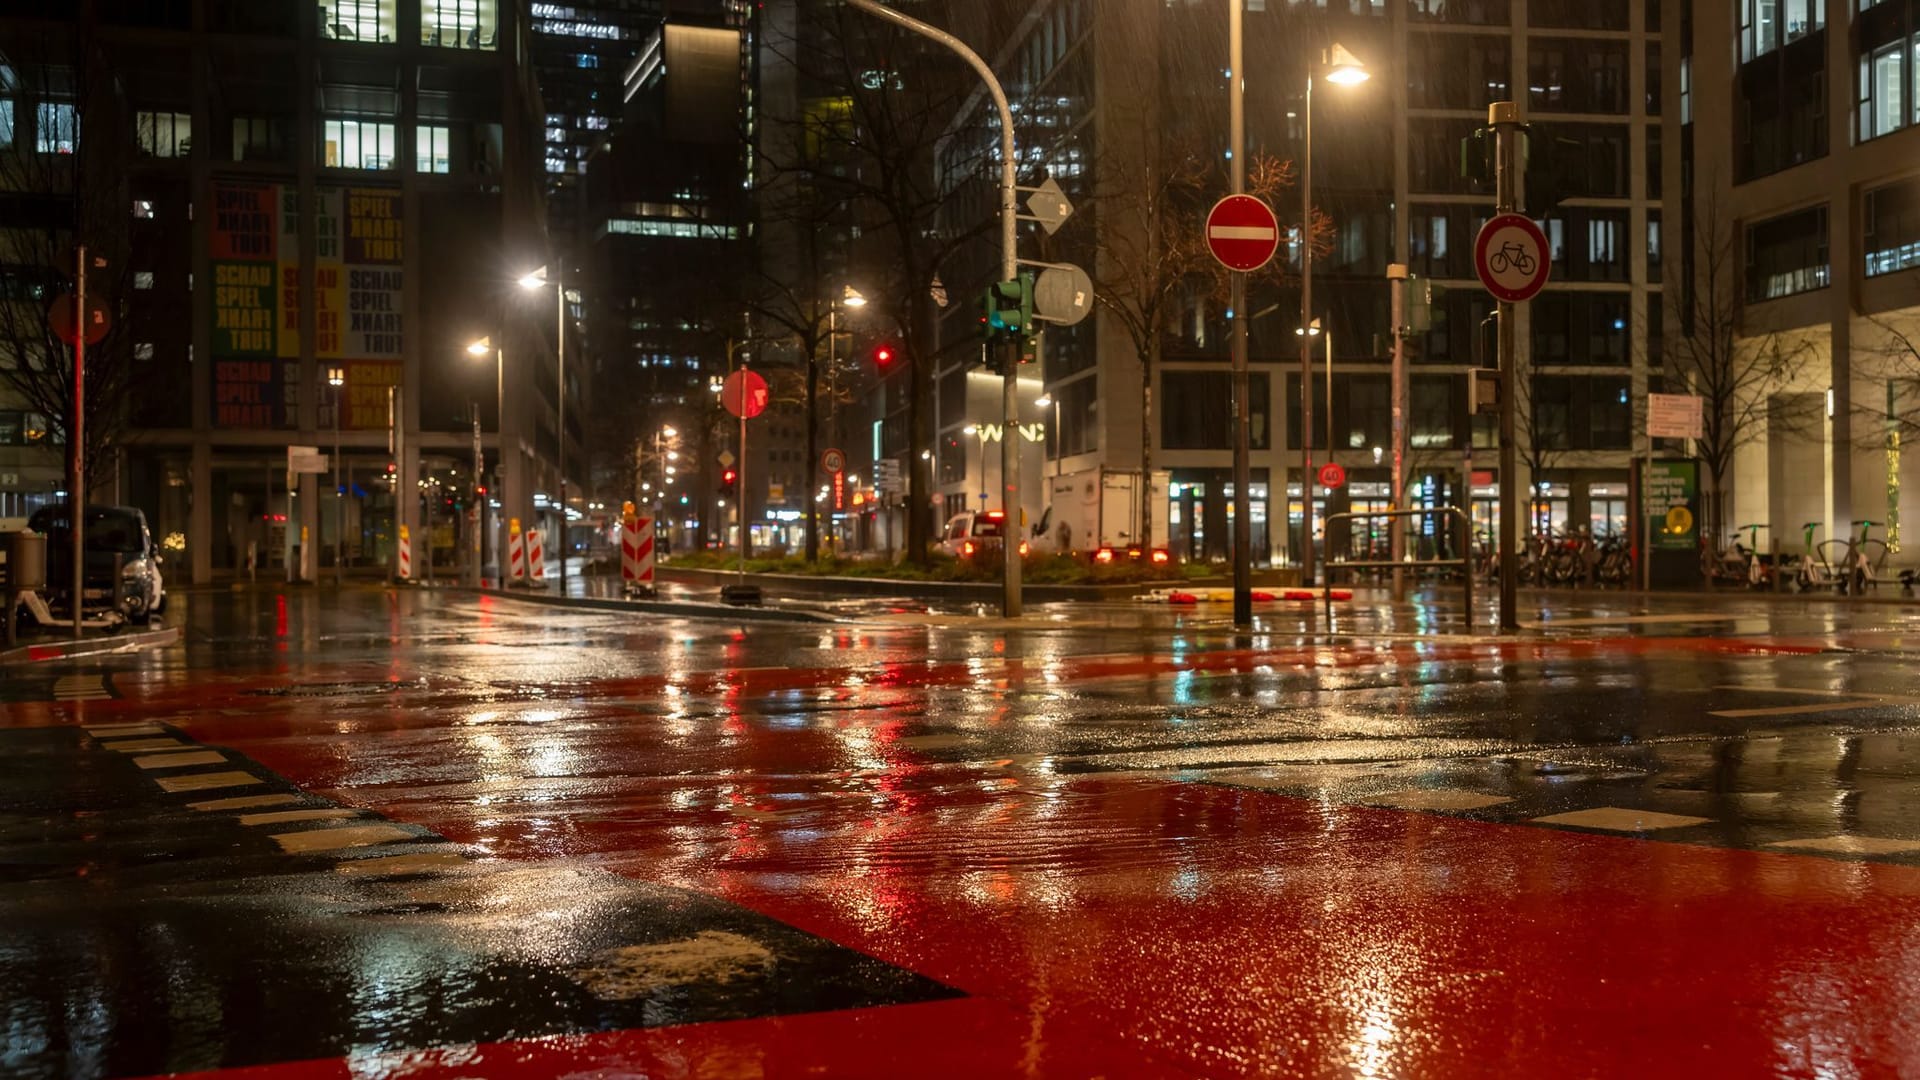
x=636 y=552
x=536 y=558
x=406 y=555
x=516 y=552
x=1225 y=596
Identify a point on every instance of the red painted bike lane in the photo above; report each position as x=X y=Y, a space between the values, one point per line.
x=1233 y=932
x=1136 y=925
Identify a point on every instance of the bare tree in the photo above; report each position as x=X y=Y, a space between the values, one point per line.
x=1736 y=378
x=68 y=160
x=878 y=135
x=1153 y=259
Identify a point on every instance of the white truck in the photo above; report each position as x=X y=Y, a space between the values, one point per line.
x=1096 y=513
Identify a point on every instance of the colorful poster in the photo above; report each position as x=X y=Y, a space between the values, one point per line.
x=250 y=393
x=366 y=390
x=243 y=222
x=259 y=302
x=1672 y=487
x=374 y=277
x=249 y=382
x=243 y=309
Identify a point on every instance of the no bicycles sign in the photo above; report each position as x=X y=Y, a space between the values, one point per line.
x=1510 y=255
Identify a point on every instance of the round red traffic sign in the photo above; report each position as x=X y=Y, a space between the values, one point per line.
x=63 y=316
x=744 y=394
x=1332 y=475
x=1510 y=255
x=833 y=461
x=1242 y=232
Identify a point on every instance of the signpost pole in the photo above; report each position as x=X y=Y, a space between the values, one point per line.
x=1504 y=116
x=1242 y=447
x=1397 y=537
x=77 y=447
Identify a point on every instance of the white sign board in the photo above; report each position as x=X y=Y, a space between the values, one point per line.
x=306 y=459
x=1675 y=416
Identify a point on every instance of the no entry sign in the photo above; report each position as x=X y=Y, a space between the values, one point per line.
x=1242 y=232
x=1510 y=255
x=744 y=394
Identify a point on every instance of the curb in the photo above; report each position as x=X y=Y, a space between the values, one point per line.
x=827 y=585
x=66 y=650
x=660 y=607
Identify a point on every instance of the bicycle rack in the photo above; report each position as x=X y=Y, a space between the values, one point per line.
x=1465 y=564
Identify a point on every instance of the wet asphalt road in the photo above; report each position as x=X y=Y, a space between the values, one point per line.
x=429 y=834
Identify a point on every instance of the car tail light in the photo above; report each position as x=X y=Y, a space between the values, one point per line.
x=1160 y=556
x=966 y=549
x=1104 y=555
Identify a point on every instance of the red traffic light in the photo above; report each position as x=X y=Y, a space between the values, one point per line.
x=883 y=355
x=729 y=476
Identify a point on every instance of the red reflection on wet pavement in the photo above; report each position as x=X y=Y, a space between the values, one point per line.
x=958 y=1038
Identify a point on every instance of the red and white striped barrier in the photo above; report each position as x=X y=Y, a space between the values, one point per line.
x=536 y=558
x=516 y=552
x=406 y=555
x=636 y=553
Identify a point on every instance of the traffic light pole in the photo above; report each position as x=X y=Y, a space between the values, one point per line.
x=1009 y=271
x=1505 y=120
x=1242 y=418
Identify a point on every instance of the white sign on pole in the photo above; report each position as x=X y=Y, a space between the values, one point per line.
x=306 y=459
x=1675 y=416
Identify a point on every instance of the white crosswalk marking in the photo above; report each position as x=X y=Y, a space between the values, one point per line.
x=81 y=688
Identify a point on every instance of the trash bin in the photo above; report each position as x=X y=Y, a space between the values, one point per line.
x=26 y=561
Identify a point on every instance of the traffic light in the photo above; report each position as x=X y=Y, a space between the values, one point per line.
x=729 y=479
x=882 y=355
x=1008 y=306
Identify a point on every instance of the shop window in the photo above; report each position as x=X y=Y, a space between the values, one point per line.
x=431 y=148
x=1882 y=91
x=1787 y=254
x=459 y=24
x=358 y=144
x=259 y=138
x=1890 y=227
x=163 y=134
x=358 y=20
x=56 y=127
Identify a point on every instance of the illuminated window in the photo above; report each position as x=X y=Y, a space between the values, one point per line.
x=358 y=144
x=163 y=134
x=357 y=20
x=57 y=127
x=143 y=279
x=459 y=24
x=430 y=144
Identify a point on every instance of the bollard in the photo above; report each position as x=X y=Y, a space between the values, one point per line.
x=516 y=552
x=536 y=558
x=406 y=555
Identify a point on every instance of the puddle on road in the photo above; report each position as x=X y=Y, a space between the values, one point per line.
x=633 y=972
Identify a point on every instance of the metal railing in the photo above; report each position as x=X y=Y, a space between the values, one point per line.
x=1466 y=541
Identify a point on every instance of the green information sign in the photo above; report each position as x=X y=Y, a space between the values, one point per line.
x=1672 y=493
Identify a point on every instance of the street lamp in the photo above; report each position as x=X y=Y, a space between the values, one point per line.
x=535 y=280
x=1341 y=68
x=976 y=429
x=336 y=378
x=1046 y=401
x=849 y=297
x=481 y=348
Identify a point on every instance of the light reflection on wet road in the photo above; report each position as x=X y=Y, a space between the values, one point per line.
x=1678 y=835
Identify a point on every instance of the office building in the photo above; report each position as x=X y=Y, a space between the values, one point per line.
x=1814 y=186
x=1102 y=105
x=316 y=205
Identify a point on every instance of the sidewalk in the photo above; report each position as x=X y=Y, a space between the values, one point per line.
x=50 y=648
